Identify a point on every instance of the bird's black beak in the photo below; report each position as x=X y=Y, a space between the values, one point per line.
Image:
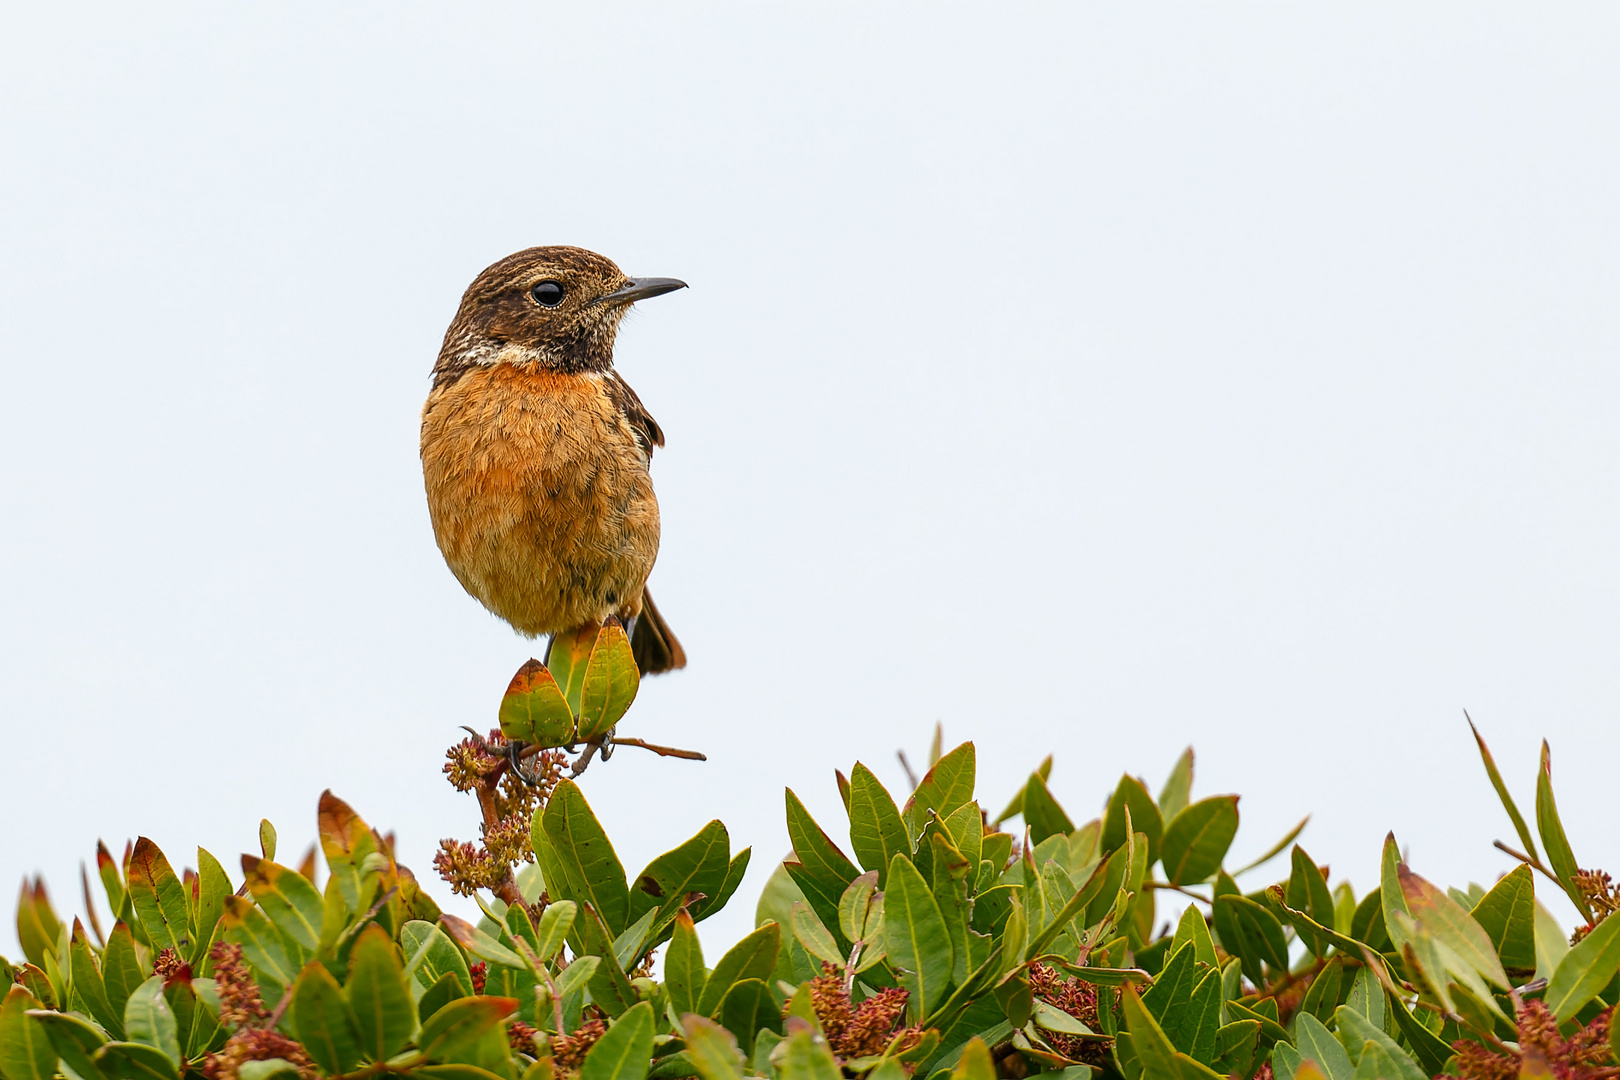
x=641 y=288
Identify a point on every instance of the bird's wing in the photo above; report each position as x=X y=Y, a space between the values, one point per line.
x=648 y=433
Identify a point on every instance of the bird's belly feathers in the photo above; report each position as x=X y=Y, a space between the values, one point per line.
x=539 y=496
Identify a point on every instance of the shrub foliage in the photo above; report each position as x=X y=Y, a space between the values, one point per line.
x=936 y=941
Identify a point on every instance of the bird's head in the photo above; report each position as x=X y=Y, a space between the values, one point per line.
x=557 y=307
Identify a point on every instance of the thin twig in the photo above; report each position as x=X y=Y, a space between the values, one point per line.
x=1528 y=861
x=662 y=751
x=1179 y=889
x=906 y=765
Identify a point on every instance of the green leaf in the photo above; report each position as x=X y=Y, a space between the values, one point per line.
x=1193 y=930
x=734 y=875
x=461 y=1024
x=1551 y=944
x=627 y=947
x=876 y=833
x=1508 y=915
x=1552 y=835
x=609 y=986
x=555 y=924
x=857 y=905
x=1367 y=997
x=1430 y=1050
x=431 y=954
x=814 y=936
x=713 y=1049
x=1440 y=915
x=1355 y=1033
x=213 y=886
x=947 y=785
x=1083 y=898
x=287 y=897
x=267 y=1069
x=818 y=867
x=149 y=1020
x=751 y=958
x=121 y=970
x=446 y=989
x=38 y=928
x=460 y=1070
x=1316 y=1043
x=1377 y=1063
x=578 y=974
x=272 y=953
x=88 y=984
x=1158 y=1055
x=1502 y=792
x=975 y=1062
x=624 y=1052
x=26 y=1051
x=1307 y=891
x=267 y=838
x=519 y=928
x=746 y=1008
x=684 y=973
x=346 y=841
x=107 y=870
x=1252 y=932
x=696 y=866
x=382 y=1006
x=73 y=1039
x=917 y=941
x=135 y=1061
x=1041 y=811
x=591 y=869
x=323 y=1020
x=1389 y=893
x=159 y=898
x=965 y=829
x=1585 y=970
x=567 y=658
x=480 y=944
x=804 y=1056
x=611 y=682
x=1144 y=817
x=534 y=709
x=1197 y=839
x=1177 y=790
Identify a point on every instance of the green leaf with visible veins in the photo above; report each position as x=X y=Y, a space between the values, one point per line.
x=1197 y=839
x=589 y=864
x=323 y=1020
x=624 y=1052
x=383 y=1010
x=918 y=943
x=876 y=832
x=1508 y=915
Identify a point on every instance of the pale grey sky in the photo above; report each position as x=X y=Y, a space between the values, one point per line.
x=1095 y=379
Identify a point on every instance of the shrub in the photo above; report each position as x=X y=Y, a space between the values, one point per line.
x=948 y=946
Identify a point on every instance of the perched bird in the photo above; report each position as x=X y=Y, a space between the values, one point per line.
x=535 y=451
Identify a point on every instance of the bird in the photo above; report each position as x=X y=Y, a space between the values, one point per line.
x=535 y=451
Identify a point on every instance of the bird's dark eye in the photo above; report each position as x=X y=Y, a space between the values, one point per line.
x=547 y=293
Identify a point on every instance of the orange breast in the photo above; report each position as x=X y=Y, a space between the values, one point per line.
x=540 y=497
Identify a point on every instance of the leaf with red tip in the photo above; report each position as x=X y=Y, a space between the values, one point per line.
x=534 y=708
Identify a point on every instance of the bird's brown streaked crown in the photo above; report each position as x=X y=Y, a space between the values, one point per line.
x=556 y=307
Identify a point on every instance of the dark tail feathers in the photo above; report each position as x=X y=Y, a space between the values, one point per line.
x=654 y=644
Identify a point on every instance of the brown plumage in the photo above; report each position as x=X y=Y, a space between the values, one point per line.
x=535 y=451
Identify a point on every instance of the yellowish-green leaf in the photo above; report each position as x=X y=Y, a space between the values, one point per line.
x=534 y=709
